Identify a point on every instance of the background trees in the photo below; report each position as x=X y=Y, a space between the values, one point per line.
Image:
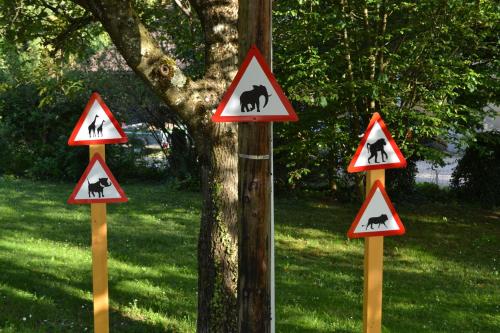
x=429 y=67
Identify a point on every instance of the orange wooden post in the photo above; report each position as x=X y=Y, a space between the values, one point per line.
x=99 y=258
x=373 y=266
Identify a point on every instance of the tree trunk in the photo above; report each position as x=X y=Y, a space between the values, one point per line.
x=217 y=246
x=216 y=144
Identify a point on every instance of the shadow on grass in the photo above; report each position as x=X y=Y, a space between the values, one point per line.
x=464 y=235
x=25 y=292
x=437 y=277
x=152 y=268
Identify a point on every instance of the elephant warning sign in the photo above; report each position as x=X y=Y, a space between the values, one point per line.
x=254 y=95
x=377 y=149
x=377 y=216
x=97 y=185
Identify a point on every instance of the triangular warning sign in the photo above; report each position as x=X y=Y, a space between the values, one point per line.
x=377 y=149
x=254 y=95
x=97 y=184
x=97 y=125
x=377 y=216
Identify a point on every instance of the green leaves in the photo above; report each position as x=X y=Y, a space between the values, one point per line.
x=428 y=67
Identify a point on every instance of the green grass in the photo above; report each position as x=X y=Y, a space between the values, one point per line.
x=442 y=276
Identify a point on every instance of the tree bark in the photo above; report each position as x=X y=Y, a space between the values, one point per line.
x=216 y=144
x=352 y=105
x=254 y=187
x=217 y=246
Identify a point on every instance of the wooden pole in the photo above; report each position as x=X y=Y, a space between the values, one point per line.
x=374 y=261
x=99 y=258
x=254 y=194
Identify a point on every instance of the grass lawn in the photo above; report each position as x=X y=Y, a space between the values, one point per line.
x=442 y=276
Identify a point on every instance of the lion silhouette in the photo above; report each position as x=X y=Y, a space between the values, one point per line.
x=376 y=220
x=374 y=148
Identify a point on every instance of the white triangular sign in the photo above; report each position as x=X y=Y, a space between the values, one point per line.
x=377 y=216
x=254 y=95
x=97 y=184
x=377 y=149
x=97 y=125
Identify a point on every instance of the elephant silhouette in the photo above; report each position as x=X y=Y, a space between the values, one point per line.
x=249 y=100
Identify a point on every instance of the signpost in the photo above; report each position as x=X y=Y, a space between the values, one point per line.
x=377 y=217
x=255 y=100
x=96 y=127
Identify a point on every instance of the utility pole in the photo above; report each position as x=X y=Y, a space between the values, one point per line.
x=254 y=186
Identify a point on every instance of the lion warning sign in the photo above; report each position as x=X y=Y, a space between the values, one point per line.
x=377 y=149
x=377 y=216
x=254 y=95
x=97 y=125
x=97 y=185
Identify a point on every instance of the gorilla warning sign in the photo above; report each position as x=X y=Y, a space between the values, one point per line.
x=254 y=95
x=377 y=149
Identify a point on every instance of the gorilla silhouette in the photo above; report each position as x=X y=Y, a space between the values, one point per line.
x=374 y=148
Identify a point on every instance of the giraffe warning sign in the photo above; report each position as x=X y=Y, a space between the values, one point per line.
x=97 y=125
x=377 y=149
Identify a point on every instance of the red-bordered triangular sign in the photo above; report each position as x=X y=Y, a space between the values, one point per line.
x=97 y=125
x=377 y=149
x=254 y=95
x=97 y=185
x=377 y=216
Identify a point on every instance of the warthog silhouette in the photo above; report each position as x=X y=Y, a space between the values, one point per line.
x=98 y=187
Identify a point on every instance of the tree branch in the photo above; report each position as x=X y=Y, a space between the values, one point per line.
x=185 y=7
x=73 y=26
x=143 y=54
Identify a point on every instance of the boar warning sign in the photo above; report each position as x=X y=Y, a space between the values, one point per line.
x=97 y=185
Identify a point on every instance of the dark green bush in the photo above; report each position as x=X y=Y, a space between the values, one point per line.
x=401 y=182
x=477 y=175
x=33 y=139
x=430 y=192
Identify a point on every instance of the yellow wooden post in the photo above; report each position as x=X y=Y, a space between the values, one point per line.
x=374 y=262
x=99 y=258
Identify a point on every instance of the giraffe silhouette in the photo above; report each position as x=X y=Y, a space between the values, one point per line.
x=92 y=127
x=99 y=129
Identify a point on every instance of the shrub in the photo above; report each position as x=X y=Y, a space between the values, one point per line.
x=33 y=140
x=401 y=182
x=476 y=176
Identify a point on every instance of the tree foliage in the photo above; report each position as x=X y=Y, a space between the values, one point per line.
x=428 y=67
x=476 y=175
